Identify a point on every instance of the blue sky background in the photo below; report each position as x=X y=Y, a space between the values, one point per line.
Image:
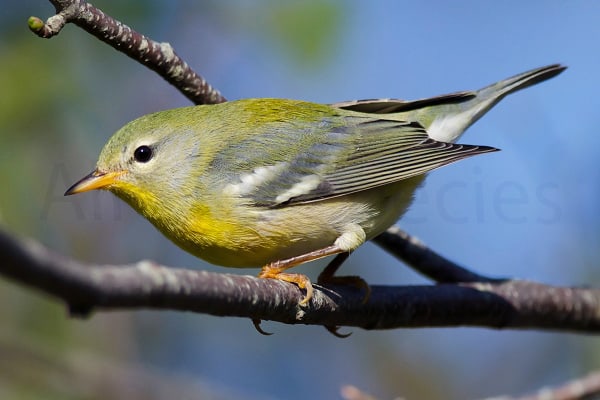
x=529 y=211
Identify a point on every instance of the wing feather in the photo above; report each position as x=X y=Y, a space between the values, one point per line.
x=393 y=168
x=333 y=159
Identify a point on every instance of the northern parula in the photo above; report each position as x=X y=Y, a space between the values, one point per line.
x=274 y=183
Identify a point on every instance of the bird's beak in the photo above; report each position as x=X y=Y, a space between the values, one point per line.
x=95 y=180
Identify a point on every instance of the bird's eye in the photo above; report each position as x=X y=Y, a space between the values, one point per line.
x=142 y=154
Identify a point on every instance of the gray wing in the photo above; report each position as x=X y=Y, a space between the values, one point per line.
x=363 y=154
x=364 y=175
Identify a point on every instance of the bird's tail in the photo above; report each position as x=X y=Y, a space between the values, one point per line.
x=446 y=117
x=451 y=120
x=497 y=91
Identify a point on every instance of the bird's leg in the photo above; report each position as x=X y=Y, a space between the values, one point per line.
x=275 y=270
x=327 y=276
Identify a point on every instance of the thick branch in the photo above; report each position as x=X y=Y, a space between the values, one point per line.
x=509 y=304
x=159 y=57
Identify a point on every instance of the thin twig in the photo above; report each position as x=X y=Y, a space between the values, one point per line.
x=159 y=57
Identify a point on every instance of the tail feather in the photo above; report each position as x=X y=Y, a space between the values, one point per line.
x=448 y=122
x=446 y=117
x=521 y=81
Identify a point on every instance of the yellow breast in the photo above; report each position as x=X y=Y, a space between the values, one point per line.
x=234 y=234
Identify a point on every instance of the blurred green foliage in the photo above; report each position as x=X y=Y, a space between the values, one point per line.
x=306 y=31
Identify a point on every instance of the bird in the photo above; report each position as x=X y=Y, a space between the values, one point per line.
x=274 y=183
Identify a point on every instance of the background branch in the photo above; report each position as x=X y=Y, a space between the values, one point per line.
x=587 y=387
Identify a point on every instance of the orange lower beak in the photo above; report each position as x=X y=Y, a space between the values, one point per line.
x=95 y=180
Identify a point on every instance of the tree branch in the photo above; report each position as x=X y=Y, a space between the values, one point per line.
x=159 y=57
x=86 y=287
